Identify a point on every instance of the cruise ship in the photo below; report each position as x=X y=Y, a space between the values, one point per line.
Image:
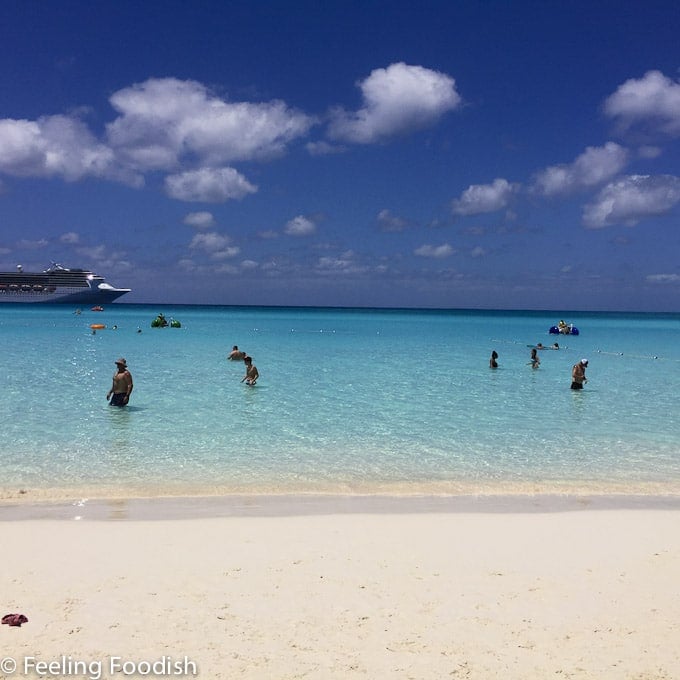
x=57 y=284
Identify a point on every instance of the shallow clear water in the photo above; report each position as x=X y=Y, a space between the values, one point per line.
x=348 y=400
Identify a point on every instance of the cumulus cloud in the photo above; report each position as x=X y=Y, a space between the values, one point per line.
x=200 y=220
x=396 y=100
x=300 y=226
x=215 y=245
x=631 y=199
x=70 y=237
x=209 y=185
x=444 y=250
x=345 y=263
x=391 y=223
x=652 y=101
x=165 y=119
x=594 y=166
x=56 y=146
x=484 y=198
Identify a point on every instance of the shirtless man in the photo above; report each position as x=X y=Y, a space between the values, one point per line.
x=121 y=388
x=236 y=354
x=578 y=374
x=251 y=376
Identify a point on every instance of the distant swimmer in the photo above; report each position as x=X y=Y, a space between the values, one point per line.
x=535 y=361
x=493 y=363
x=236 y=354
x=578 y=374
x=251 y=376
x=121 y=387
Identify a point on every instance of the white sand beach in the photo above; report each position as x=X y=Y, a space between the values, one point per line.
x=480 y=595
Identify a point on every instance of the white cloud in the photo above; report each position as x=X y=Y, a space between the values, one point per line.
x=215 y=245
x=649 y=152
x=210 y=242
x=478 y=251
x=300 y=226
x=484 y=198
x=391 y=223
x=653 y=100
x=70 y=237
x=324 y=148
x=396 y=99
x=226 y=253
x=26 y=244
x=631 y=199
x=200 y=220
x=663 y=278
x=343 y=264
x=445 y=250
x=594 y=166
x=56 y=146
x=165 y=119
x=210 y=185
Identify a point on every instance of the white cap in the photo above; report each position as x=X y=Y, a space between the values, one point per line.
x=584 y=361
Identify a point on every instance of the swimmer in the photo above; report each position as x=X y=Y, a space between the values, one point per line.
x=492 y=362
x=236 y=354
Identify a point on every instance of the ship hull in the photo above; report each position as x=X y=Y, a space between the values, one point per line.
x=57 y=285
x=80 y=297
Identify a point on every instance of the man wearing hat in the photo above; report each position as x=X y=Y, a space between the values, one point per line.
x=122 y=385
x=578 y=374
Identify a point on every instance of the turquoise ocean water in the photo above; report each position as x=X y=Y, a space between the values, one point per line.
x=349 y=401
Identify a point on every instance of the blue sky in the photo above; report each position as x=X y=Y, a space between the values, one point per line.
x=510 y=155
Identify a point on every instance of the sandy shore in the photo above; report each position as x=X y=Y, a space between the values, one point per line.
x=430 y=594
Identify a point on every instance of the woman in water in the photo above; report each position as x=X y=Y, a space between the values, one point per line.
x=535 y=361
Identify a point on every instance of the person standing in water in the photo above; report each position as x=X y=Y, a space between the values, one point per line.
x=251 y=376
x=578 y=374
x=493 y=363
x=121 y=388
x=535 y=361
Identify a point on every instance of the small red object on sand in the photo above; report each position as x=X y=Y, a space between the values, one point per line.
x=14 y=619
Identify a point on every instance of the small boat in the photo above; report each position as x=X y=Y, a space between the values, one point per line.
x=563 y=329
x=97 y=308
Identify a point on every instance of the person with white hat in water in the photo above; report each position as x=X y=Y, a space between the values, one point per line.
x=578 y=374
